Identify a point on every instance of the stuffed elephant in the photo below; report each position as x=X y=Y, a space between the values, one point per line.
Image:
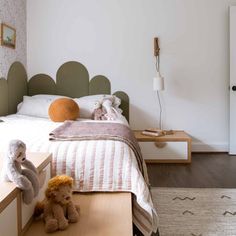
x=26 y=179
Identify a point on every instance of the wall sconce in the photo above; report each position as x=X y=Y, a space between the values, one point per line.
x=158 y=81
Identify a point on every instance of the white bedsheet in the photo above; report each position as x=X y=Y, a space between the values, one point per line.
x=99 y=165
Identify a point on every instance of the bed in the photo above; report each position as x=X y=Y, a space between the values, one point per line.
x=95 y=165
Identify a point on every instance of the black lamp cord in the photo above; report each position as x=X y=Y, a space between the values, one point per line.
x=158 y=94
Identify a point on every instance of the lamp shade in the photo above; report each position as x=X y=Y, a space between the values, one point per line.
x=158 y=82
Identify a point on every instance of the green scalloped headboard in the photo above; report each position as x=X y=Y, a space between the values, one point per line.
x=72 y=80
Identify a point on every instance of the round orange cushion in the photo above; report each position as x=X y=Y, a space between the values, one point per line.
x=63 y=109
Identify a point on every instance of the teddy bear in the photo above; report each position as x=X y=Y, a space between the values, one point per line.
x=26 y=179
x=58 y=209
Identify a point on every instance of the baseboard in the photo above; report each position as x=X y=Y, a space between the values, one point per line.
x=211 y=147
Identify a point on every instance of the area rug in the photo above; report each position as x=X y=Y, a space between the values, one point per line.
x=196 y=211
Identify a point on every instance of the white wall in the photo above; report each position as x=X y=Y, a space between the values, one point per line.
x=115 y=38
x=13 y=13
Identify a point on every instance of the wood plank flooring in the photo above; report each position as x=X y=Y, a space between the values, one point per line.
x=211 y=170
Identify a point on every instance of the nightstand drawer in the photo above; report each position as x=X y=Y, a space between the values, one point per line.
x=164 y=150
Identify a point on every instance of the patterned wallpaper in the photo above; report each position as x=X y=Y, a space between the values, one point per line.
x=13 y=13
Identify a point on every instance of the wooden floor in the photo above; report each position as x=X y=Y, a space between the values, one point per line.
x=215 y=170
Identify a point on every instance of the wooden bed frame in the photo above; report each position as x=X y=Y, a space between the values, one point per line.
x=72 y=80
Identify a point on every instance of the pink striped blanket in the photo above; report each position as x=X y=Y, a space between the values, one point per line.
x=77 y=131
x=143 y=217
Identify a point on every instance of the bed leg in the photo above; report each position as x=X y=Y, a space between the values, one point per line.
x=156 y=234
x=136 y=232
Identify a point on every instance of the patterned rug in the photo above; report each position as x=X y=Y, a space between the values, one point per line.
x=196 y=211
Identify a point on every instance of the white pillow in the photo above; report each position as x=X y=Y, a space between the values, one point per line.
x=36 y=105
x=46 y=97
x=87 y=103
x=19 y=106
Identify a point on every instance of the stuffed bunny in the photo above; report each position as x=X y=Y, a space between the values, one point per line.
x=26 y=179
x=99 y=111
x=107 y=103
x=107 y=108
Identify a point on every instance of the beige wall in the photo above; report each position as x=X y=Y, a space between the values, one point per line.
x=115 y=38
x=13 y=13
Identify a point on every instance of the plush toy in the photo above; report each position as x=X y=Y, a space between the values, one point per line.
x=58 y=209
x=107 y=103
x=99 y=111
x=26 y=179
x=107 y=108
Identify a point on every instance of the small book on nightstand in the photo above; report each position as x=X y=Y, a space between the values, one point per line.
x=156 y=132
x=153 y=132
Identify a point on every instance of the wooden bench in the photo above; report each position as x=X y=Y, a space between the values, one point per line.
x=102 y=214
x=16 y=216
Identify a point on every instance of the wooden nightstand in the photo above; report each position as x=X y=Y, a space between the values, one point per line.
x=174 y=148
